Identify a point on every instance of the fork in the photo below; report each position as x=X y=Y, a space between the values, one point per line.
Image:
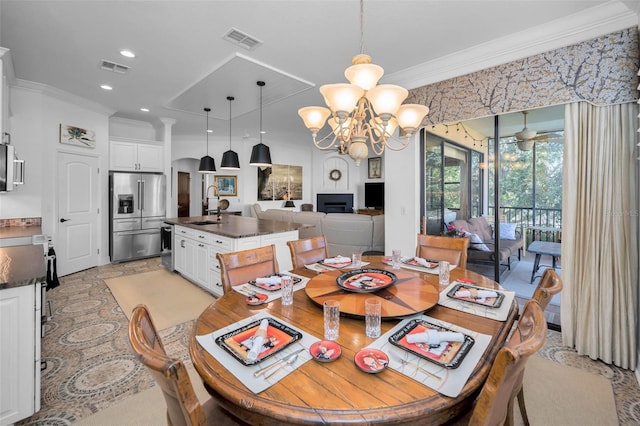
x=428 y=373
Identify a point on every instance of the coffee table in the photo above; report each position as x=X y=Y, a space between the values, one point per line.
x=544 y=247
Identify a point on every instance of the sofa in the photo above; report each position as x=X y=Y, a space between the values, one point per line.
x=482 y=243
x=345 y=232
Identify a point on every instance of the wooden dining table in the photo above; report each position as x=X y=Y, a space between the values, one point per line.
x=338 y=391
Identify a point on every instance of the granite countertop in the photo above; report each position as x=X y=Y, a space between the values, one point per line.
x=21 y=265
x=236 y=226
x=20 y=231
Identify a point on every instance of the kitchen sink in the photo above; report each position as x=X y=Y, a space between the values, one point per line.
x=203 y=222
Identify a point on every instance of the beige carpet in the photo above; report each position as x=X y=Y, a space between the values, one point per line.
x=557 y=395
x=170 y=298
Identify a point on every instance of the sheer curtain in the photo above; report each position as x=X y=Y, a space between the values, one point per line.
x=599 y=245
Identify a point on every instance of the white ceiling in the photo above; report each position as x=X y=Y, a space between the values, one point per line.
x=183 y=64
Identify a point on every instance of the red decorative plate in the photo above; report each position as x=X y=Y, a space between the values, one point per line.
x=325 y=351
x=256 y=299
x=371 y=360
x=366 y=280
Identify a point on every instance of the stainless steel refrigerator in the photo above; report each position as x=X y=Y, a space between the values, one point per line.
x=137 y=212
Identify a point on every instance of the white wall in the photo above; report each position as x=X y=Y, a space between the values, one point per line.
x=37 y=113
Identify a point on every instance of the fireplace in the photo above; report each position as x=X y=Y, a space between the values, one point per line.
x=335 y=203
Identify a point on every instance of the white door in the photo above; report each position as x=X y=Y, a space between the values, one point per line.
x=78 y=186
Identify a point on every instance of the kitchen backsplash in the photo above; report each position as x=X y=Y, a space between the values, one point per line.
x=26 y=221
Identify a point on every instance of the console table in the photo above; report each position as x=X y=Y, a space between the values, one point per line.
x=370 y=212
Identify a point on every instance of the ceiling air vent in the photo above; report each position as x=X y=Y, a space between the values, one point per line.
x=241 y=39
x=114 y=67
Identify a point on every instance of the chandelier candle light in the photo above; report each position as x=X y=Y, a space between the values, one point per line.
x=363 y=110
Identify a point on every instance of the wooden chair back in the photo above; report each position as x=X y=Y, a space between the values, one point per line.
x=437 y=248
x=183 y=407
x=242 y=266
x=308 y=250
x=494 y=405
x=550 y=284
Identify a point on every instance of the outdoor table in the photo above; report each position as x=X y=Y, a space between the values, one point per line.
x=543 y=247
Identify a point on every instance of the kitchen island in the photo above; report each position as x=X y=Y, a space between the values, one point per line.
x=197 y=240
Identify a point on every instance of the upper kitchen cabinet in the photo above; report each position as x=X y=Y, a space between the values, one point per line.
x=136 y=156
x=6 y=70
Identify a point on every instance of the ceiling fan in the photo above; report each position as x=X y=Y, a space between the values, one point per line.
x=526 y=138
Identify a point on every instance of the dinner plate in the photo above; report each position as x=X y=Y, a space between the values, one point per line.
x=371 y=360
x=273 y=287
x=335 y=265
x=366 y=280
x=412 y=262
x=238 y=342
x=448 y=354
x=325 y=351
x=491 y=302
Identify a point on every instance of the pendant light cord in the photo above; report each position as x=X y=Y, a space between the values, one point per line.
x=362 y=26
x=230 y=98
x=261 y=84
x=206 y=131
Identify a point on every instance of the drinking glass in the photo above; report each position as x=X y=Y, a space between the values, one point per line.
x=396 y=257
x=373 y=312
x=331 y=310
x=356 y=258
x=443 y=272
x=287 y=290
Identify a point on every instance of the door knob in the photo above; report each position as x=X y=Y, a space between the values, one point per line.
x=63 y=220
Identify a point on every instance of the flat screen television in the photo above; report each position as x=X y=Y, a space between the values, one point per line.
x=374 y=195
x=335 y=203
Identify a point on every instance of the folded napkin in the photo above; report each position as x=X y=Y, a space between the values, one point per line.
x=476 y=294
x=422 y=262
x=258 y=340
x=268 y=280
x=337 y=259
x=434 y=337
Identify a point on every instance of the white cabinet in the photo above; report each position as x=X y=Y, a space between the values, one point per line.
x=138 y=157
x=195 y=253
x=19 y=352
x=5 y=67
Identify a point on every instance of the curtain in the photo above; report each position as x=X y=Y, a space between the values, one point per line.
x=599 y=244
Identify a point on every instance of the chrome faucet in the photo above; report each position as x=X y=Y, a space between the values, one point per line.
x=215 y=193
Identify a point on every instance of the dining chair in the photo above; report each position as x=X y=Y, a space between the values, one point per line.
x=550 y=284
x=183 y=406
x=242 y=266
x=494 y=405
x=437 y=248
x=308 y=250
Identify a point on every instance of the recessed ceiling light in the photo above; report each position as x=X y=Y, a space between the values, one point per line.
x=127 y=53
x=144 y=109
x=106 y=87
x=209 y=131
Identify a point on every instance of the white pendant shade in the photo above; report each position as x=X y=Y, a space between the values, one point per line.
x=410 y=116
x=386 y=98
x=365 y=76
x=314 y=117
x=343 y=132
x=341 y=97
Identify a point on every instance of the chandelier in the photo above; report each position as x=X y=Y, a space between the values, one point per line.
x=363 y=111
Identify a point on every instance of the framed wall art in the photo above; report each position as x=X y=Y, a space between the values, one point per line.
x=375 y=168
x=279 y=182
x=227 y=185
x=77 y=136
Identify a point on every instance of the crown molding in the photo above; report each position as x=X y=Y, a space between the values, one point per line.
x=63 y=96
x=591 y=23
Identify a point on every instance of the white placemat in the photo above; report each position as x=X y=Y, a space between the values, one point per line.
x=498 y=314
x=245 y=373
x=247 y=288
x=447 y=381
x=319 y=267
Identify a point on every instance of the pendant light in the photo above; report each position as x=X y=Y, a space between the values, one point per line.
x=230 y=158
x=207 y=163
x=260 y=154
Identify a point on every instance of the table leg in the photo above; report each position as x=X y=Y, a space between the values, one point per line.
x=536 y=266
x=553 y=262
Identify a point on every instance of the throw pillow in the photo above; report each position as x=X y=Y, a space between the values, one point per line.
x=476 y=242
x=508 y=231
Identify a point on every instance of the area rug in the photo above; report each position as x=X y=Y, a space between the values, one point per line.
x=556 y=394
x=171 y=299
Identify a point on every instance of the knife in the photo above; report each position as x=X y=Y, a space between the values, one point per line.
x=278 y=362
